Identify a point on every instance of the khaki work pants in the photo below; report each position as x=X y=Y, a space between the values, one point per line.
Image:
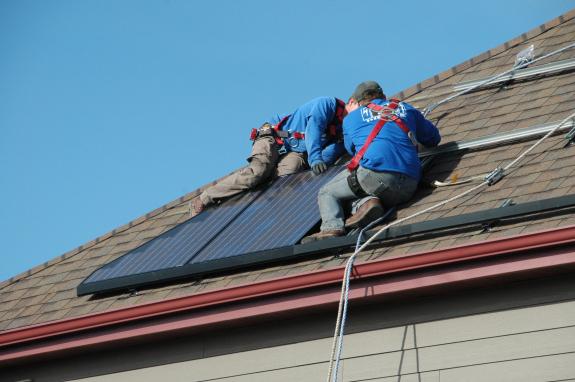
x=264 y=163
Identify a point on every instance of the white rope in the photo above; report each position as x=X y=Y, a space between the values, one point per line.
x=342 y=309
x=572 y=116
x=433 y=106
x=349 y=265
x=344 y=296
x=342 y=312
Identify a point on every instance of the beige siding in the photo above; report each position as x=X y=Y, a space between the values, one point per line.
x=554 y=368
x=526 y=344
x=496 y=324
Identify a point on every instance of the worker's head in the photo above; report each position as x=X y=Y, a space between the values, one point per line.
x=364 y=93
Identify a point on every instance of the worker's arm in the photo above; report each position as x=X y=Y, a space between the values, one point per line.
x=347 y=137
x=316 y=126
x=426 y=132
x=332 y=152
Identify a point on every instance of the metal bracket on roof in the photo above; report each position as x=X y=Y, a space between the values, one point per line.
x=570 y=136
x=525 y=56
x=507 y=203
x=494 y=176
x=130 y=293
x=429 y=109
x=488 y=226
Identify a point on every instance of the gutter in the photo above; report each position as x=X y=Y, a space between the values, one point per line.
x=309 y=287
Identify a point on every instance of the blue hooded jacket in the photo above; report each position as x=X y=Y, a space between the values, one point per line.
x=392 y=149
x=313 y=119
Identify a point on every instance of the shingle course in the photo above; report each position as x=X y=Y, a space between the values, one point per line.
x=47 y=292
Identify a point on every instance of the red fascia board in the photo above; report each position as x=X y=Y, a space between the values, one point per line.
x=279 y=286
x=465 y=273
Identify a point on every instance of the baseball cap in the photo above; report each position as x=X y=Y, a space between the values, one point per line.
x=367 y=89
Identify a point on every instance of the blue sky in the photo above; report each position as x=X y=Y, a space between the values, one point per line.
x=112 y=108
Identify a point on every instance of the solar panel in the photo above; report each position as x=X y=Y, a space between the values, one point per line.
x=261 y=220
x=175 y=247
x=279 y=217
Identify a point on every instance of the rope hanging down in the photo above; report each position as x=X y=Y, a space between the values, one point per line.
x=489 y=180
x=342 y=310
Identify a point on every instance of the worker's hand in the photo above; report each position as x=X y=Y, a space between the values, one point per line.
x=319 y=167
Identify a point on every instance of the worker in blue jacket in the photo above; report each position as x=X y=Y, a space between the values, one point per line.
x=311 y=136
x=382 y=136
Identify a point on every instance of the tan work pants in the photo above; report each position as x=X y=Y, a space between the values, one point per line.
x=264 y=163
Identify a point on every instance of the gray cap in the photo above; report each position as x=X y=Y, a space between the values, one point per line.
x=367 y=89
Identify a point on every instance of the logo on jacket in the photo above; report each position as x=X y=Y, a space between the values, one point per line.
x=400 y=111
x=368 y=115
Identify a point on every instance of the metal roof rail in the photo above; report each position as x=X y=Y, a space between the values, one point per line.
x=517 y=135
x=551 y=68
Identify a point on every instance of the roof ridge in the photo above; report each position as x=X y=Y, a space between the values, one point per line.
x=417 y=88
x=434 y=80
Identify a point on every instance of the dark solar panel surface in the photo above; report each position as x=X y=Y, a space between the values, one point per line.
x=279 y=217
x=175 y=247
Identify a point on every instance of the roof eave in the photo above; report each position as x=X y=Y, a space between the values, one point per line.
x=307 y=285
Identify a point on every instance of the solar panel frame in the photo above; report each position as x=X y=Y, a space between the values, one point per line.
x=302 y=186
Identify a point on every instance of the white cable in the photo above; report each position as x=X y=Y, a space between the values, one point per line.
x=340 y=322
x=349 y=264
x=551 y=132
x=433 y=106
x=342 y=310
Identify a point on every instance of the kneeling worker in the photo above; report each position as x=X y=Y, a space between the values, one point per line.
x=382 y=137
x=285 y=145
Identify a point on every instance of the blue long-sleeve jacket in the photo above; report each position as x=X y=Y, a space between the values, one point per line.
x=392 y=149
x=313 y=119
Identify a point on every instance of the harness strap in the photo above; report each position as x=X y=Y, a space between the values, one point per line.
x=332 y=128
x=387 y=111
x=354 y=185
x=277 y=127
x=354 y=163
x=386 y=115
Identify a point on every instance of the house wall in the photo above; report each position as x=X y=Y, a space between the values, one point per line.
x=520 y=331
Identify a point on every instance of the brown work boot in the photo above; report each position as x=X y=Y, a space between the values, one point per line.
x=323 y=235
x=368 y=212
x=198 y=206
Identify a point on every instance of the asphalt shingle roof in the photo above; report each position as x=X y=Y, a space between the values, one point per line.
x=48 y=292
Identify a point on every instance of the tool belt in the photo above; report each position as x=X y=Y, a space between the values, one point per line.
x=354 y=185
x=268 y=130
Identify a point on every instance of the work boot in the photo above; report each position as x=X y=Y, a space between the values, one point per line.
x=366 y=213
x=323 y=235
x=198 y=206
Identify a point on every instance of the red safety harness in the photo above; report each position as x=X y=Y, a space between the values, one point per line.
x=333 y=131
x=386 y=114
